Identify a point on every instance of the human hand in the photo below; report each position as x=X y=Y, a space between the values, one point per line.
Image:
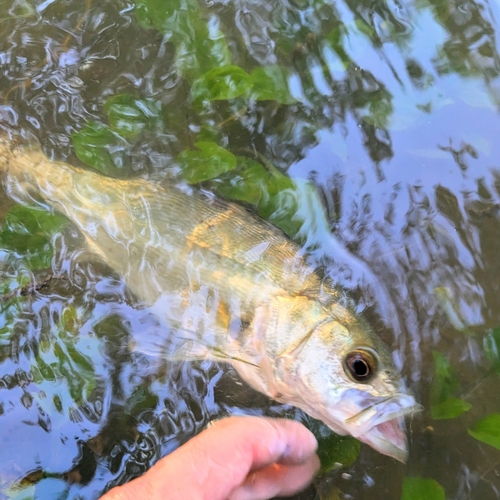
x=237 y=458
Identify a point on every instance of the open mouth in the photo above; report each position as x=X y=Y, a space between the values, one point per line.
x=388 y=438
x=382 y=425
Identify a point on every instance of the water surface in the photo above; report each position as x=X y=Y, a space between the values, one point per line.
x=389 y=109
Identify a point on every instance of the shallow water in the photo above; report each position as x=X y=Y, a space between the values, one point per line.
x=389 y=109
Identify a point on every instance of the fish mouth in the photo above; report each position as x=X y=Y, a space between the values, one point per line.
x=381 y=425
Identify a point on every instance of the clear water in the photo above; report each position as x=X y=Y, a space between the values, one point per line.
x=393 y=117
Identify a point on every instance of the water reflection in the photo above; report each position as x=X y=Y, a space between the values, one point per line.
x=394 y=121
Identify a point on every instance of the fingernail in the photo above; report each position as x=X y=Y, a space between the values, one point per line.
x=245 y=491
x=242 y=493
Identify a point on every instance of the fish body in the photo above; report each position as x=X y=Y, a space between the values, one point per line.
x=234 y=289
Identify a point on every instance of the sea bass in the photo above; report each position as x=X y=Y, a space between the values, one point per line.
x=234 y=288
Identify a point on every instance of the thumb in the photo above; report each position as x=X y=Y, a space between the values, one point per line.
x=215 y=464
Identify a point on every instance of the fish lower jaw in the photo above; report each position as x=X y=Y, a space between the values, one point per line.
x=388 y=438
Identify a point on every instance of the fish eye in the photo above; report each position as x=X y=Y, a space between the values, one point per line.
x=360 y=365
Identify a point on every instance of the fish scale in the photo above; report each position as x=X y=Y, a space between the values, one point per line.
x=228 y=286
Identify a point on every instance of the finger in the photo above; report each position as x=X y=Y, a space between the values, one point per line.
x=299 y=443
x=225 y=453
x=270 y=440
x=219 y=459
x=276 y=480
x=260 y=441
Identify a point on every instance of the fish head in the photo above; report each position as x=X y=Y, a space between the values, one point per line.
x=343 y=374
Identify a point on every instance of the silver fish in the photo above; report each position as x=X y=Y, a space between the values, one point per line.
x=235 y=289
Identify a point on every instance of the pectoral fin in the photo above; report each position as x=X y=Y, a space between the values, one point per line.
x=178 y=344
